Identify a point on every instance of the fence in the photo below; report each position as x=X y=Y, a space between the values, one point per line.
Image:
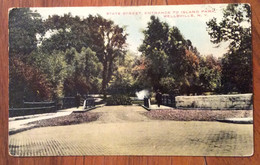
x=31 y=108
x=168 y=100
x=68 y=102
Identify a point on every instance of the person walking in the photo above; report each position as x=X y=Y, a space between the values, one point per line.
x=158 y=98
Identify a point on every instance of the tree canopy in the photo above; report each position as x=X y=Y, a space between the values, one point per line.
x=24 y=27
x=109 y=41
x=169 y=58
x=68 y=55
x=25 y=81
x=234 y=28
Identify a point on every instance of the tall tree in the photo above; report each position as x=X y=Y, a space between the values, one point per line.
x=24 y=27
x=123 y=80
x=27 y=83
x=102 y=36
x=169 y=58
x=235 y=28
x=65 y=32
x=109 y=42
x=210 y=74
x=153 y=49
x=84 y=72
x=53 y=66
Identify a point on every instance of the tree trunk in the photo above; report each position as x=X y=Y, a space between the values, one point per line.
x=104 y=79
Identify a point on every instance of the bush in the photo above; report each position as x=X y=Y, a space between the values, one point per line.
x=119 y=100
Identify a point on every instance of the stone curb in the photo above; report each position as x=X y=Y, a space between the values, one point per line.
x=148 y=109
x=88 y=109
x=237 y=120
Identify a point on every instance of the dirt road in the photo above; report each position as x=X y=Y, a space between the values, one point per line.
x=123 y=130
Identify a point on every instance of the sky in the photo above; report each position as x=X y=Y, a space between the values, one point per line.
x=189 y=19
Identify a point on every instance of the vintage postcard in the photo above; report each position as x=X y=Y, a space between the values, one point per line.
x=139 y=80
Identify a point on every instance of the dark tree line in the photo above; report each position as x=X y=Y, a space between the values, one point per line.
x=62 y=55
x=235 y=28
x=173 y=64
x=65 y=55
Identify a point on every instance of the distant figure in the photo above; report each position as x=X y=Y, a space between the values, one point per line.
x=77 y=100
x=158 y=98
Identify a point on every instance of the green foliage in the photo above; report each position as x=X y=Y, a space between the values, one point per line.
x=84 y=72
x=139 y=73
x=66 y=32
x=27 y=82
x=168 y=85
x=168 y=56
x=237 y=72
x=153 y=48
x=235 y=27
x=109 y=44
x=102 y=36
x=68 y=53
x=123 y=80
x=69 y=72
x=24 y=26
x=93 y=70
x=53 y=66
x=210 y=74
x=65 y=55
x=119 y=100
